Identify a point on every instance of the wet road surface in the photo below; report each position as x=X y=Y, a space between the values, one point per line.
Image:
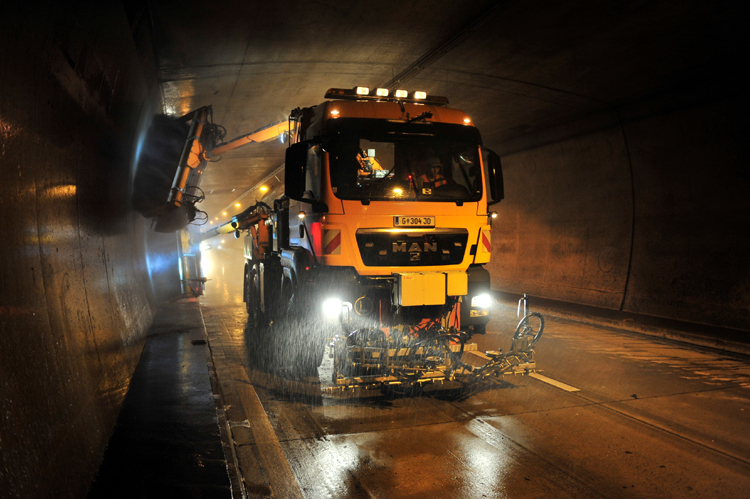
x=643 y=418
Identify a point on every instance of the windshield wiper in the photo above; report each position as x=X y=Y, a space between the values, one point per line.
x=422 y=117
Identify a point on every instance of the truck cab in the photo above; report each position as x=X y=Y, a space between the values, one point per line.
x=388 y=212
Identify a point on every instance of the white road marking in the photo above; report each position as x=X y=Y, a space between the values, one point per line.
x=550 y=381
x=543 y=379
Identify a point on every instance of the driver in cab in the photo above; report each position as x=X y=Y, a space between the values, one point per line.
x=367 y=165
x=433 y=177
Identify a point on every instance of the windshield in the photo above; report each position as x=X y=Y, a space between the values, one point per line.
x=372 y=160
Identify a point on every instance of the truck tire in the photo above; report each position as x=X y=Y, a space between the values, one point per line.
x=252 y=297
x=286 y=302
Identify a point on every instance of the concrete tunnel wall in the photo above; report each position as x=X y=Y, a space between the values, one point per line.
x=649 y=215
x=76 y=300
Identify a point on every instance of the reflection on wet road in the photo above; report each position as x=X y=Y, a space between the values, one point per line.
x=651 y=419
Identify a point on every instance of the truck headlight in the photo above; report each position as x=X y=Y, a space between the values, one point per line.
x=332 y=308
x=481 y=301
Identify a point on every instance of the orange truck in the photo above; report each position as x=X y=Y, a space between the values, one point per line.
x=382 y=234
x=377 y=247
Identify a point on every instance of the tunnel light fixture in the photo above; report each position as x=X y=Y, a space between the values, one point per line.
x=301 y=215
x=224 y=213
x=263 y=188
x=237 y=205
x=363 y=91
x=381 y=92
x=401 y=94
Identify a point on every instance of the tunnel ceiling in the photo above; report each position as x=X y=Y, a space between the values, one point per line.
x=517 y=68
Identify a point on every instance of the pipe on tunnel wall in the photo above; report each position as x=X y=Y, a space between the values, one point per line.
x=649 y=217
x=75 y=300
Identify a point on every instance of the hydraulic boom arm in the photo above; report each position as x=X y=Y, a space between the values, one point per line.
x=201 y=148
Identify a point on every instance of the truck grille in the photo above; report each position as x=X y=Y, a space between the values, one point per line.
x=412 y=247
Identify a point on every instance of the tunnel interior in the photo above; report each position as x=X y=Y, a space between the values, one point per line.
x=621 y=127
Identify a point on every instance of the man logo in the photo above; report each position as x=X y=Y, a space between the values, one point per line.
x=414 y=247
x=414 y=257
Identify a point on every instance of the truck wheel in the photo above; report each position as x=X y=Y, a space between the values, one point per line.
x=244 y=284
x=286 y=304
x=252 y=292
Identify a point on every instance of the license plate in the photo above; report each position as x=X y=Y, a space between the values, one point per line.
x=400 y=221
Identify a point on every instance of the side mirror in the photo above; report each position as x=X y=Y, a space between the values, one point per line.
x=295 y=168
x=494 y=178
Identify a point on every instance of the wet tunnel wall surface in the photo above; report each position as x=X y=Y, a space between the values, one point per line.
x=76 y=299
x=647 y=215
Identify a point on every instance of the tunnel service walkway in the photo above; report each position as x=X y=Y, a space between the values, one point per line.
x=167 y=440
